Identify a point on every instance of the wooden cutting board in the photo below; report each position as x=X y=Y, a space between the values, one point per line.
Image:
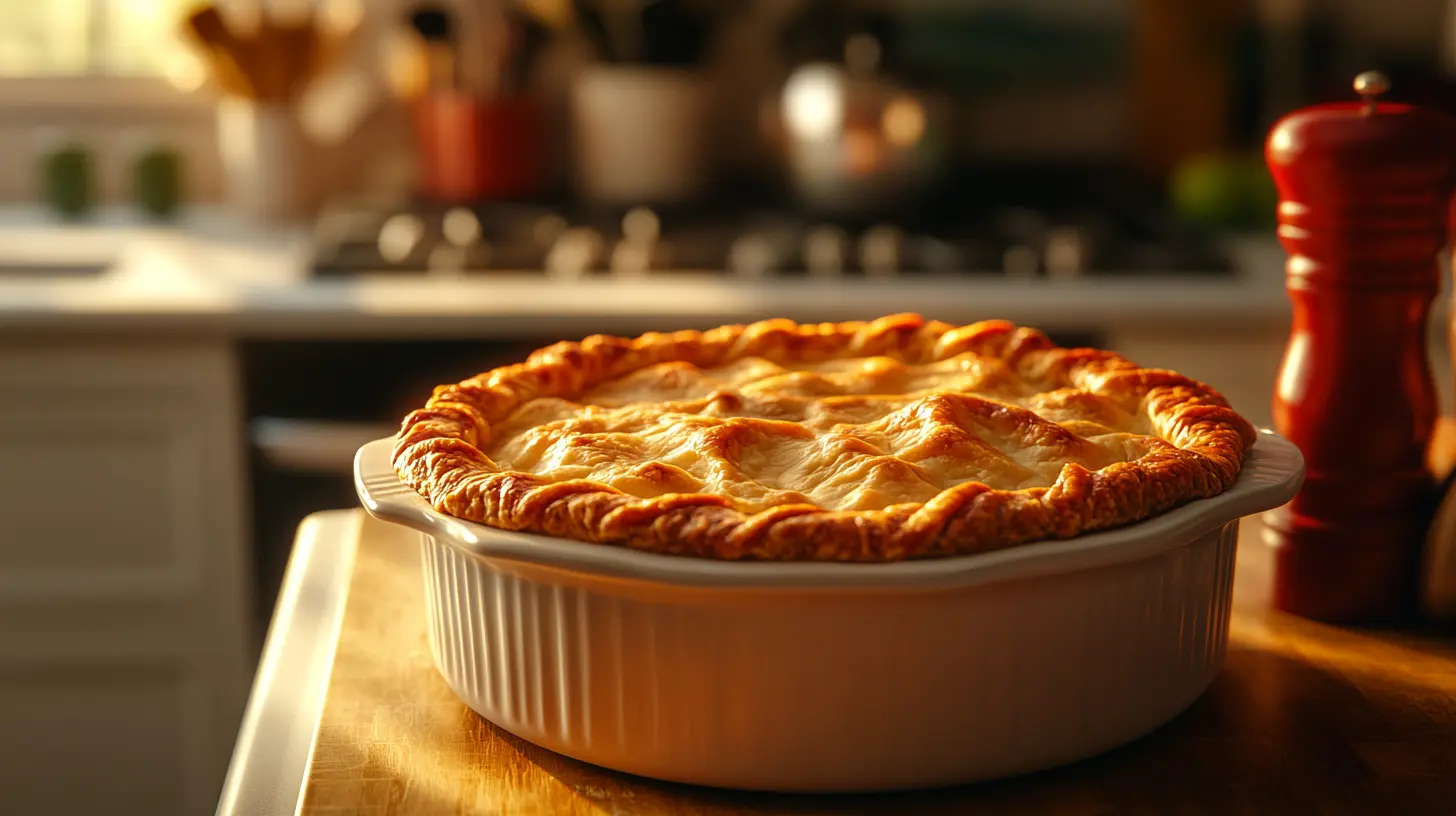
x=1304 y=719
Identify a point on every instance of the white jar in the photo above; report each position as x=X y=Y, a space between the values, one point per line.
x=641 y=134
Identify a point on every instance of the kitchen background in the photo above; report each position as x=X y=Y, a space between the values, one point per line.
x=237 y=242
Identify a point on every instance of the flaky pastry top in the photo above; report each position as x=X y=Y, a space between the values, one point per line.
x=857 y=441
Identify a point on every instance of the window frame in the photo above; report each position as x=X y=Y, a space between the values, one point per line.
x=97 y=93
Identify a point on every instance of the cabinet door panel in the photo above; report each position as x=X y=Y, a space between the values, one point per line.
x=125 y=642
x=89 y=497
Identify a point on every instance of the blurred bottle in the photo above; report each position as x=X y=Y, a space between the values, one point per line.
x=65 y=174
x=156 y=178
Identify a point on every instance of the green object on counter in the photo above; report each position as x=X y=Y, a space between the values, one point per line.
x=66 y=180
x=1225 y=192
x=157 y=181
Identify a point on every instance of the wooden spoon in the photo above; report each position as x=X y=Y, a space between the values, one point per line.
x=209 y=32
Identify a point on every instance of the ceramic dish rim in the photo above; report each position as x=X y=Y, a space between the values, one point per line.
x=1272 y=473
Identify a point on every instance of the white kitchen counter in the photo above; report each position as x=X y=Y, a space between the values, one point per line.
x=175 y=281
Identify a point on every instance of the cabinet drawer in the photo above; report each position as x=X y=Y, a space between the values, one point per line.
x=102 y=502
x=108 y=454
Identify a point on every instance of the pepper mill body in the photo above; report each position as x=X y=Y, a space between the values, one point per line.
x=1364 y=190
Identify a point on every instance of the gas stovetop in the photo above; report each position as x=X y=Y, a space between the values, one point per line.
x=1020 y=240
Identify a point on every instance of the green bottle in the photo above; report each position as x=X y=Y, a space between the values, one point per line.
x=66 y=179
x=157 y=181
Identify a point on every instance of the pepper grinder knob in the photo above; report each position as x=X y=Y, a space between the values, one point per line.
x=1371 y=85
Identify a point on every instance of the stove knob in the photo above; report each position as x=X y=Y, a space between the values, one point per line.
x=460 y=227
x=631 y=259
x=1020 y=261
x=574 y=253
x=1067 y=253
x=753 y=256
x=399 y=236
x=824 y=251
x=641 y=226
x=879 y=251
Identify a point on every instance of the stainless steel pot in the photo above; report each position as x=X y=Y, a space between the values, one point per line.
x=855 y=140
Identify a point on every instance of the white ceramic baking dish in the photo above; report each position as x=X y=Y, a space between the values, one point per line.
x=829 y=676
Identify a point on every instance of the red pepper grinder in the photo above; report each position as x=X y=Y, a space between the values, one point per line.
x=1363 y=194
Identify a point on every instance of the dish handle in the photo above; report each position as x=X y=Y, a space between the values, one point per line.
x=389 y=498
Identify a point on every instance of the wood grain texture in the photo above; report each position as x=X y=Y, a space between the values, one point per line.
x=1305 y=718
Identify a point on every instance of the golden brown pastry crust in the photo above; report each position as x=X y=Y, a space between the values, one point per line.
x=874 y=463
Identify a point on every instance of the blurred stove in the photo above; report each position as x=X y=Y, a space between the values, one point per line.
x=1022 y=241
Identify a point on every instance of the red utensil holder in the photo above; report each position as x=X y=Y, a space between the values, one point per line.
x=474 y=149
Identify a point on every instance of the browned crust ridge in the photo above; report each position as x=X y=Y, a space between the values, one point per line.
x=438 y=450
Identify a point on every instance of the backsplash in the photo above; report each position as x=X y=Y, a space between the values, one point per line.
x=109 y=136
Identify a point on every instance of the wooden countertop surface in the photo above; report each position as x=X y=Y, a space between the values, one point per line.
x=1305 y=718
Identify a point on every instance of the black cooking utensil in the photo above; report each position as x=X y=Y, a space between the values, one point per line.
x=532 y=37
x=675 y=33
x=436 y=29
x=433 y=23
x=595 y=28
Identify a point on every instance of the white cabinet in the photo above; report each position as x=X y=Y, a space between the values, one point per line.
x=125 y=642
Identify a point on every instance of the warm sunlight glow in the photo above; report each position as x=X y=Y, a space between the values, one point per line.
x=814 y=102
x=184 y=71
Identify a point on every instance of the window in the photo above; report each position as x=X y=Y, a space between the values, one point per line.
x=73 y=38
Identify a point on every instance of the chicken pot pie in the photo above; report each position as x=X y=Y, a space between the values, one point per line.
x=860 y=441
